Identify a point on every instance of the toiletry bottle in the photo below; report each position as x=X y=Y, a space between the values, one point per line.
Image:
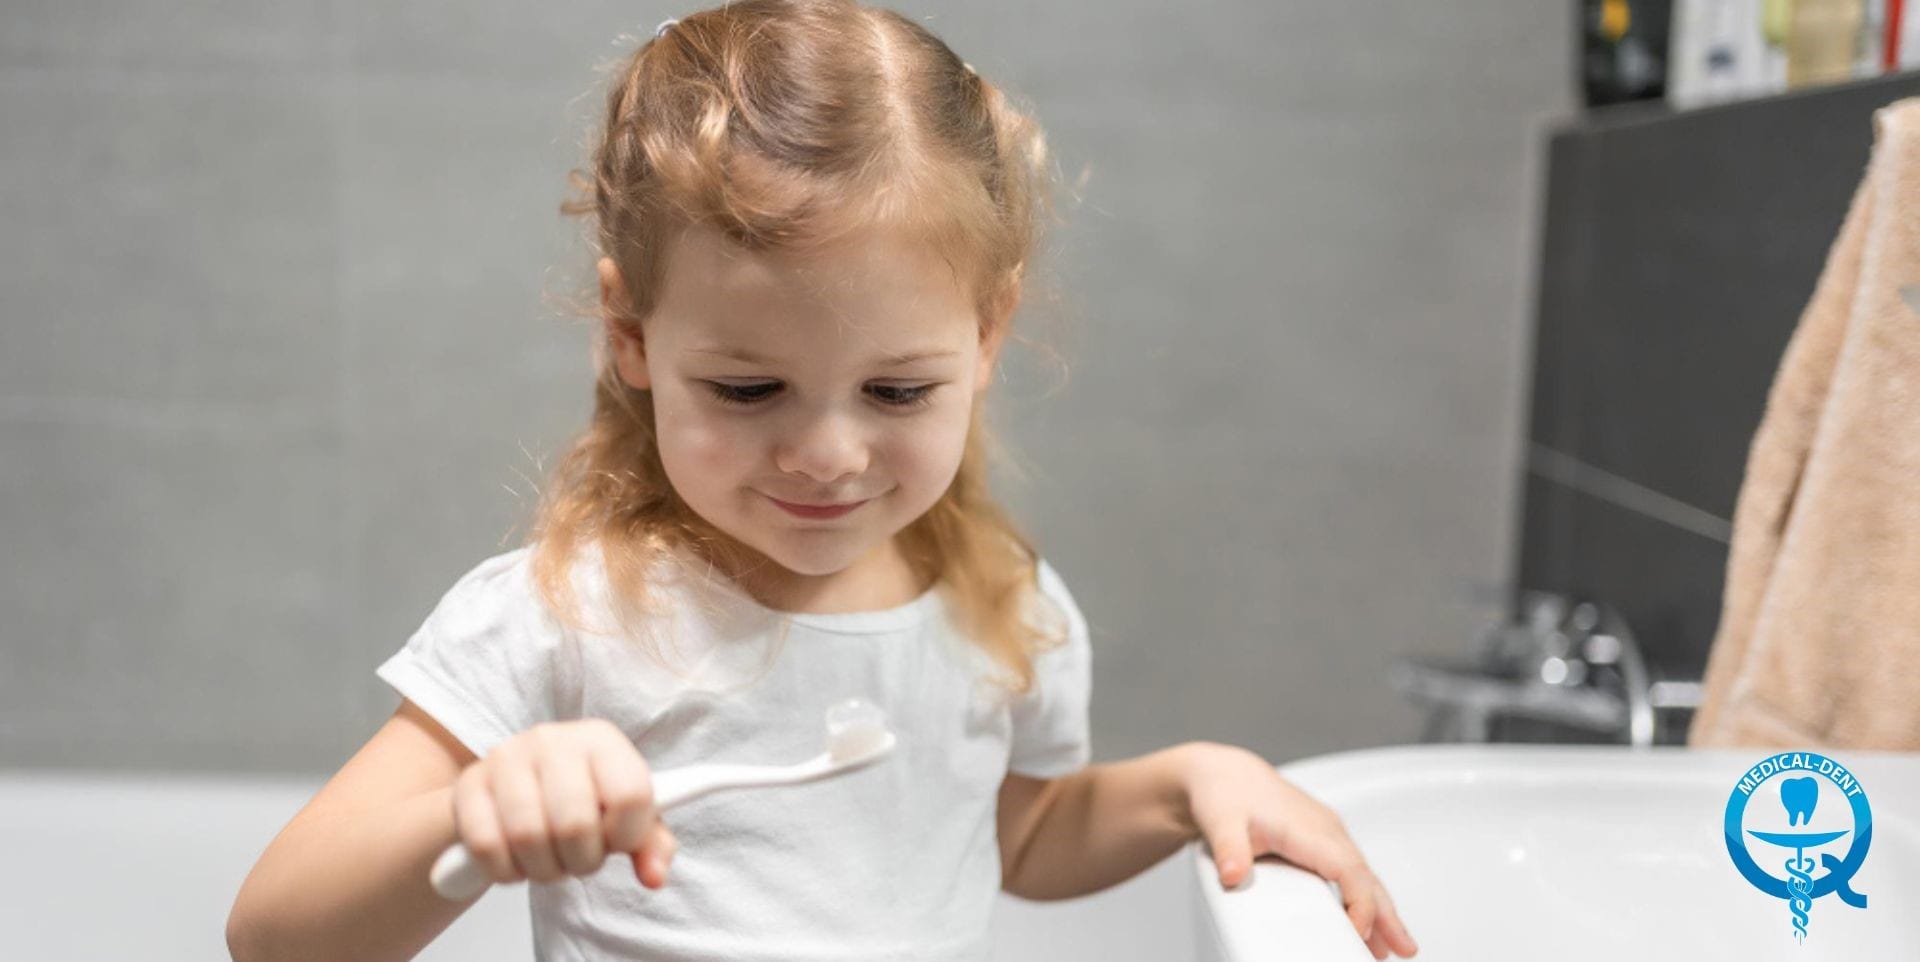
x=1823 y=40
x=1623 y=49
x=1905 y=28
x=1721 y=52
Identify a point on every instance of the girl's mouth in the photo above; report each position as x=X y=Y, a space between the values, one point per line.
x=816 y=511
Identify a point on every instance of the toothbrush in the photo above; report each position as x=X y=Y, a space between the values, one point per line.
x=857 y=735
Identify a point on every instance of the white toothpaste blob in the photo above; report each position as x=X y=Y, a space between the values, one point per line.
x=855 y=727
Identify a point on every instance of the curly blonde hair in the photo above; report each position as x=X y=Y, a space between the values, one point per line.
x=785 y=125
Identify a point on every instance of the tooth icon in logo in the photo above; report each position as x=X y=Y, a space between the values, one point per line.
x=1798 y=796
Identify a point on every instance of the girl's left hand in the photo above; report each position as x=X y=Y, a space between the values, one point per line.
x=1241 y=806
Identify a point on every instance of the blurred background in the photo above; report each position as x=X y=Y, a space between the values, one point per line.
x=1413 y=351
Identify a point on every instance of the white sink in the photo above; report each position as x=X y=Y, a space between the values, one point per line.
x=1570 y=853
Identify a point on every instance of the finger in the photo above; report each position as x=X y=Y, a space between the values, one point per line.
x=478 y=823
x=573 y=811
x=1326 y=850
x=1378 y=944
x=523 y=817
x=655 y=855
x=1226 y=836
x=626 y=791
x=1357 y=892
x=1394 y=928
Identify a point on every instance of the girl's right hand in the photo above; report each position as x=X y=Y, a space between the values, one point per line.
x=556 y=800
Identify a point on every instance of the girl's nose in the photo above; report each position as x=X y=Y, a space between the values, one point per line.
x=826 y=448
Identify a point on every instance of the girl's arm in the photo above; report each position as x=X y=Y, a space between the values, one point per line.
x=347 y=877
x=1095 y=828
x=1106 y=823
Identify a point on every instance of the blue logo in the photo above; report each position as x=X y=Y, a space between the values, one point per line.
x=1795 y=780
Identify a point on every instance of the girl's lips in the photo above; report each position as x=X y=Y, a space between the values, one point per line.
x=809 y=511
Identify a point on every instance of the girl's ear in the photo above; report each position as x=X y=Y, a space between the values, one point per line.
x=623 y=335
x=989 y=353
x=994 y=335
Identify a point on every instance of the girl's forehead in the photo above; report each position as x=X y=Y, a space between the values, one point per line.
x=875 y=286
x=876 y=263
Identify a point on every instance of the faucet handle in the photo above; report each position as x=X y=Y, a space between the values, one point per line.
x=1674 y=694
x=1543 y=611
x=1602 y=649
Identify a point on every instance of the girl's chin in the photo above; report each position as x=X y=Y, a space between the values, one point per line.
x=818 y=552
x=811 y=562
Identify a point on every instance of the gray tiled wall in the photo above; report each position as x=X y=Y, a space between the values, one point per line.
x=285 y=346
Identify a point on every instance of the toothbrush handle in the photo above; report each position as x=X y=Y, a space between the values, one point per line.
x=684 y=784
x=457 y=875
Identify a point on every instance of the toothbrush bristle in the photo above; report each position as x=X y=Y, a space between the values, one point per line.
x=855 y=728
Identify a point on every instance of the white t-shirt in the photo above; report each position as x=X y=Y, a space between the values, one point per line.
x=898 y=860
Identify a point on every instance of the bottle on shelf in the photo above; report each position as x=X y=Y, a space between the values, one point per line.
x=1735 y=49
x=1823 y=41
x=1623 y=47
x=1723 y=50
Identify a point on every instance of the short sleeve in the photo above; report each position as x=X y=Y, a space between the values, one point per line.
x=485 y=661
x=1051 y=735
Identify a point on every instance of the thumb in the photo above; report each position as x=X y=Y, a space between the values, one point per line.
x=1226 y=837
x=650 y=861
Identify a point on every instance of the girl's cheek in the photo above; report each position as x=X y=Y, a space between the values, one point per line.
x=715 y=447
x=698 y=443
x=928 y=459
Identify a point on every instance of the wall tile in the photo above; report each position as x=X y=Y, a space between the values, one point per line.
x=466 y=371
x=178 y=606
x=111 y=38
x=173 y=240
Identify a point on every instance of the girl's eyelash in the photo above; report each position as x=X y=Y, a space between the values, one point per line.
x=749 y=394
x=911 y=396
x=738 y=394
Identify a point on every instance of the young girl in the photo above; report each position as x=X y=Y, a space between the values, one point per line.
x=814 y=219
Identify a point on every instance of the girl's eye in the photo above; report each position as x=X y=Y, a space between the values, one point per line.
x=742 y=393
x=892 y=395
x=895 y=395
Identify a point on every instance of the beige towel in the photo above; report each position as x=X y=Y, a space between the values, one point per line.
x=1819 y=638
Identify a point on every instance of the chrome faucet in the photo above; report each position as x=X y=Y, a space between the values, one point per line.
x=1571 y=661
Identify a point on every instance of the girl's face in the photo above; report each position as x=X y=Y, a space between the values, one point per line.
x=841 y=377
